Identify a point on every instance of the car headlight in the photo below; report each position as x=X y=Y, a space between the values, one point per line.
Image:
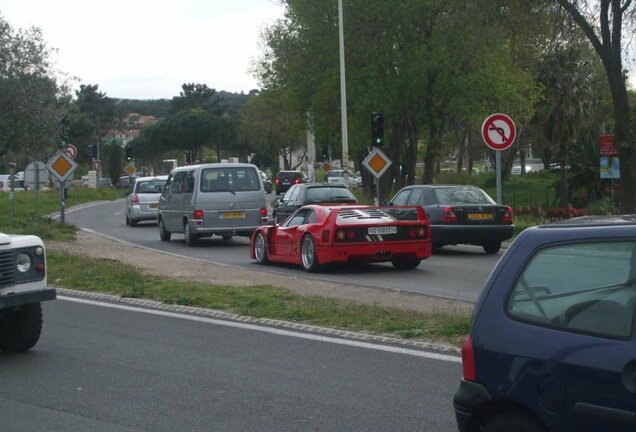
x=23 y=262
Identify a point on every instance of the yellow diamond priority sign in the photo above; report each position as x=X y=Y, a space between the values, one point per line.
x=130 y=168
x=377 y=162
x=326 y=167
x=61 y=165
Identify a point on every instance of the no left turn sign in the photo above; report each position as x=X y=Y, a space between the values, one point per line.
x=498 y=131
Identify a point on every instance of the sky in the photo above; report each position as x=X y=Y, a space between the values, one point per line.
x=146 y=49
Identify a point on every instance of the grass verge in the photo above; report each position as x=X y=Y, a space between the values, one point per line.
x=115 y=277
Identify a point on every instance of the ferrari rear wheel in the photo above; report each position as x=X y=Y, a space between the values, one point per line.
x=406 y=263
x=308 y=255
x=260 y=249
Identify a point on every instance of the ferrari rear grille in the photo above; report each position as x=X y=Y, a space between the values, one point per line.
x=362 y=214
x=7 y=266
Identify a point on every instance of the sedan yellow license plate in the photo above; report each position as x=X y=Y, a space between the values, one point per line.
x=232 y=215
x=480 y=216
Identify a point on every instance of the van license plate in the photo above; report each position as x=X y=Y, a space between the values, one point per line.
x=232 y=215
x=382 y=230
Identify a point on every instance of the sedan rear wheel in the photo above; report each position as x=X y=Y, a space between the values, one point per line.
x=492 y=247
x=260 y=249
x=308 y=255
x=164 y=234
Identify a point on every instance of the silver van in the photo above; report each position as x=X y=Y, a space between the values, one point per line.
x=222 y=199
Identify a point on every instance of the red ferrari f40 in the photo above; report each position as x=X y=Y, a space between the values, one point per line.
x=316 y=235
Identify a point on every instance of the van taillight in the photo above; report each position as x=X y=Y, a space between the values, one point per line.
x=263 y=212
x=449 y=215
x=468 y=360
x=197 y=214
x=507 y=217
x=134 y=199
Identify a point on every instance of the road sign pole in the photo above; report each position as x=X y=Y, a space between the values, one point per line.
x=376 y=198
x=498 y=168
x=36 y=192
x=62 y=188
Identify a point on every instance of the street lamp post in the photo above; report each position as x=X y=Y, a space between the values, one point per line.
x=343 y=97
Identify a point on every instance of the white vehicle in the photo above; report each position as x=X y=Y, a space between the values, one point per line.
x=23 y=286
x=336 y=177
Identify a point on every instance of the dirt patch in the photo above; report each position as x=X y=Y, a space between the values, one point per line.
x=164 y=264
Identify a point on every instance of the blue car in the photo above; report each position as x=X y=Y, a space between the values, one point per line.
x=552 y=345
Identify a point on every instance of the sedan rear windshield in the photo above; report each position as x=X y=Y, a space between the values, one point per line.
x=153 y=186
x=462 y=196
x=318 y=194
x=229 y=179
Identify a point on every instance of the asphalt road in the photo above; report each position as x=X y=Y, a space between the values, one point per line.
x=100 y=368
x=456 y=272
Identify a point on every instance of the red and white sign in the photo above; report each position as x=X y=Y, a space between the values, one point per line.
x=606 y=145
x=71 y=150
x=498 y=131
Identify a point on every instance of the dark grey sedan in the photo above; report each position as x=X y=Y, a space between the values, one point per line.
x=310 y=193
x=460 y=215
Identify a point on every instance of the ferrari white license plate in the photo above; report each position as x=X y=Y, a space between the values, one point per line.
x=382 y=230
x=232 y=215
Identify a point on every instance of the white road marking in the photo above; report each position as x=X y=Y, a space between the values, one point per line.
x=276 y=331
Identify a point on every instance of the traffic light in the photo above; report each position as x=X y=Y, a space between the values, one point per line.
x=92 y=151
x=188 y=157
x=377 y=129
x=128 y=152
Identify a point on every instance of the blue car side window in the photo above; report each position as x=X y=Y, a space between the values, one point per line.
x=583 y=287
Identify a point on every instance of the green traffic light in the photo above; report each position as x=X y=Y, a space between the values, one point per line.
x=378 y=141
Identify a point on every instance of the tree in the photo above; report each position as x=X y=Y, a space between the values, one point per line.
x=31 y=96
x=602 y=23
x=196 y=96
x=269 y=127
x=97 y=107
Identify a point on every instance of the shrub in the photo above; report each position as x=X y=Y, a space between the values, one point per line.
x=604 y=206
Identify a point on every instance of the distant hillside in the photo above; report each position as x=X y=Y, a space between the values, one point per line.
x=160 y=107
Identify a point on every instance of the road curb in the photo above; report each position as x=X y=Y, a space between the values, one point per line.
x=227 y=316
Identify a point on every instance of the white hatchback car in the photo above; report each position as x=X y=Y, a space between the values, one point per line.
x=142 y=203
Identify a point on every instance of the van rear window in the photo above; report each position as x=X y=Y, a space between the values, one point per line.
x=229 y=179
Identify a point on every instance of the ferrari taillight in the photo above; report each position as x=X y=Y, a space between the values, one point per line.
x=415 y=232
x=507 y=217
x=449 y=215
x=345 y=235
